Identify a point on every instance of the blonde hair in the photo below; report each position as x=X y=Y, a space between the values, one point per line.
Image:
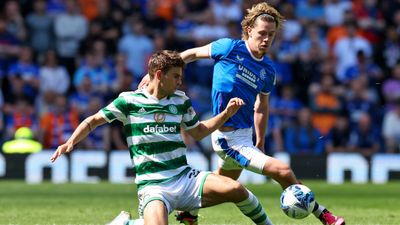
x=263 y=11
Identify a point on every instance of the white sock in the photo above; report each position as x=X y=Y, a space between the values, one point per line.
x=319 y=210
x=252 y=208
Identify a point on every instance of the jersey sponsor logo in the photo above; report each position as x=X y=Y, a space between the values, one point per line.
x=160 y=129
x=173 y=109
x=159 y=117
x=240 y=59
x=247 y=76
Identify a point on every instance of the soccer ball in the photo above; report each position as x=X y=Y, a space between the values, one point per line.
x=297 y=201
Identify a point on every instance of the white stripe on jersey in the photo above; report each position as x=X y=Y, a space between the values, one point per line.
x=160 y=175
x=149 y=138
x=159 y=157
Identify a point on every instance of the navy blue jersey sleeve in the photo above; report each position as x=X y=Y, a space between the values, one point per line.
x=221 y=48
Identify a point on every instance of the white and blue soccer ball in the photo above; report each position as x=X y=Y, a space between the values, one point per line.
x=297 y=201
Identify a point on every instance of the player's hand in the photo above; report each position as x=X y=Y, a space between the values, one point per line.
x=64 y=148
x=233 y=106
x=145 y=81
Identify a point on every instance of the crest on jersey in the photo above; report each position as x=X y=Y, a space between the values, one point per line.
x=263 y=74
x=172 y=109
x=142 y=110
x=159 y=117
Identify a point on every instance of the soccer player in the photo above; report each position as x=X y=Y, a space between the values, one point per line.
x=242 y=69
x=152 y=118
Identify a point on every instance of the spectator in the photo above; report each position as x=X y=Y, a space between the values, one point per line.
x=123 y=79
x=15 y=21
x=21 y=113
x=391 y=51
x=313 y=44
x=70 y=29
x=98 y=72
x=288 y=105
x=338 y=139
x=90 y=8
x=98 y=139
x=292 y=29
x=364 y=67
x=310 y=11
x=302 y=137
x=335 y=10
x=1 y=114
x=364 y=138
x=226 y=10
x=24 y=72
x=391 y=129
x=58 y=124
x=109 y=27
x=54 y=79
x=360 y=99
x=391 y=88
x=345 y=50
x=9 y=51
x=325 y=105
x=370 y=19
x=40 y=27
x=55 y=7
x=137 y=47
x=80 y=98
x=183 y=24
x=154 y=22
x=23 y=143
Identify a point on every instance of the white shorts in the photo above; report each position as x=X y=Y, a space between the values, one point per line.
x=236 y=150
x=183 y=193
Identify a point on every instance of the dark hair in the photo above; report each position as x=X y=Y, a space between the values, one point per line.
x=164 y=60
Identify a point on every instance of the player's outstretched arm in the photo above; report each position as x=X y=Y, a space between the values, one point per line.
x=188 y=56
x=84 y=128
x=207 y=127
x=194 y=54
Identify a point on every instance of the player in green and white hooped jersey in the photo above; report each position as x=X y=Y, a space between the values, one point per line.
x=152 y=118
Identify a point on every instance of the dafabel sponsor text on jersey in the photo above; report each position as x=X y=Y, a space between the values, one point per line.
x=159 y=129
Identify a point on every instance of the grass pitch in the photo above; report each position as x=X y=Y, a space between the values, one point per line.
x=48 y=203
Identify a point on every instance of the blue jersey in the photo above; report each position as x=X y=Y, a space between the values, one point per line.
x=237 y=73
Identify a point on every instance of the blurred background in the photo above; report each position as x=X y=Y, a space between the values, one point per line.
x=337 y=63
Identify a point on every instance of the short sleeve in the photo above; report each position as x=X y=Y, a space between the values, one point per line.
x=190 y=119
x=221 y=48
x=116 y=110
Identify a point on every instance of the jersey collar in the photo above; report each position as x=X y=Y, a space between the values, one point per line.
x=252 y=56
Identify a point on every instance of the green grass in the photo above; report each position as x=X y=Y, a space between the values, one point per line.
x=48 y=203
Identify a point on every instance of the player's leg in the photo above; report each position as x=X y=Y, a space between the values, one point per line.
x=219 y=189
x=236 y=149
x=155 y=213
x=284 y=175
x=234 y=173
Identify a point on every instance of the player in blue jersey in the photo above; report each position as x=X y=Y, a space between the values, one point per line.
x=242 y=69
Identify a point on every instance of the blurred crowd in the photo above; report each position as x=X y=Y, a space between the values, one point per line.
x=337 y=63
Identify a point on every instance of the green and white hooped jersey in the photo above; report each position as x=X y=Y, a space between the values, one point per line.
x=152 y=130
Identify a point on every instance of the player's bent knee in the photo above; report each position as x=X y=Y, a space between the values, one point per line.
x=237 y=192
